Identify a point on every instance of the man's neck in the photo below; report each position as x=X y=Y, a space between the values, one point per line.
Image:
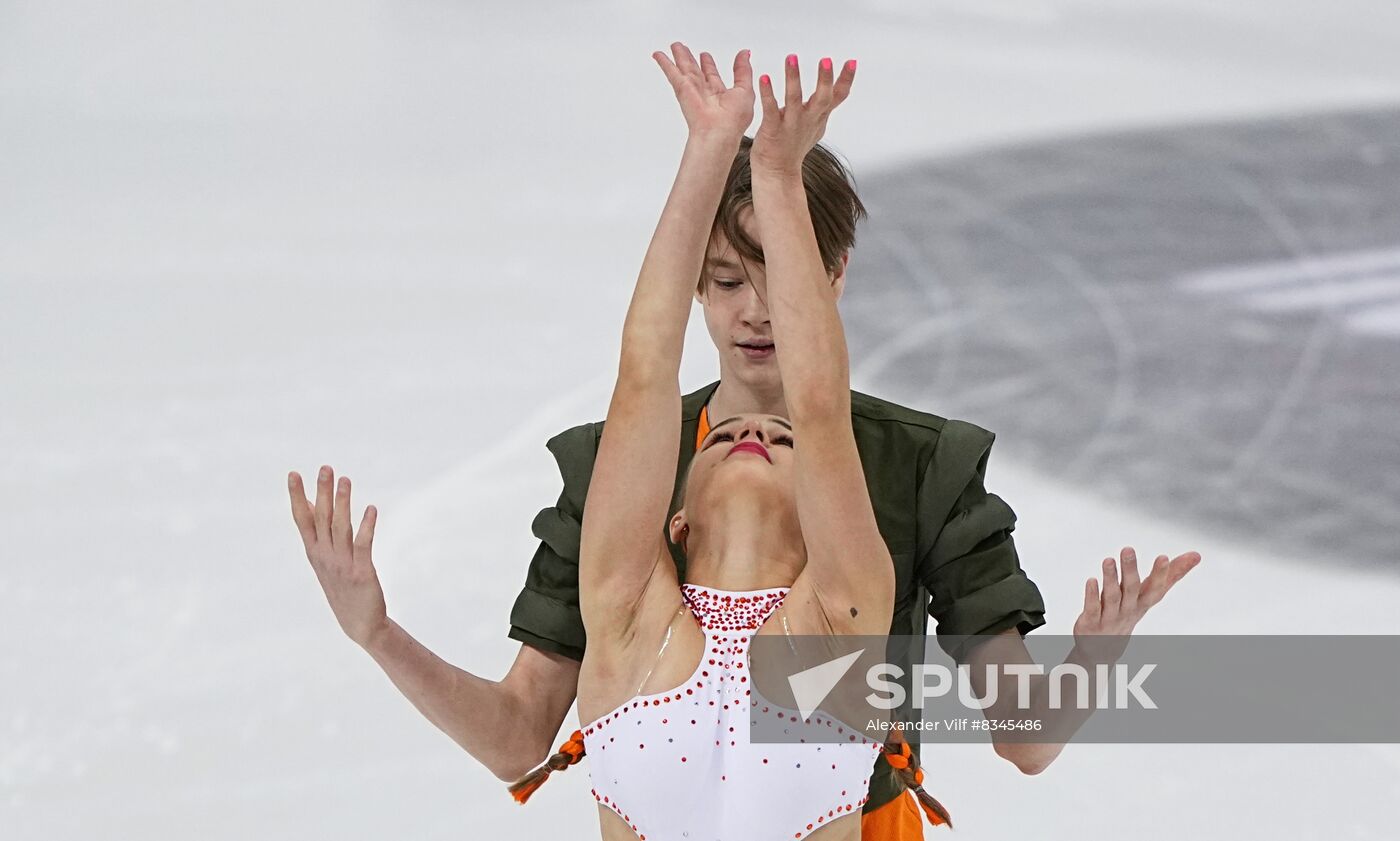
x=733 y=397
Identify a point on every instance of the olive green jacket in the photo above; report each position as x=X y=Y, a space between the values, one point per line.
x=949 y=538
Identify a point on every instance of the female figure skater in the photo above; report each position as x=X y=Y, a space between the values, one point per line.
x=777 y=524
x=779 y=539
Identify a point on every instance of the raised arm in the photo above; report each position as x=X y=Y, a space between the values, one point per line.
x=634 y=474
x=848 y=565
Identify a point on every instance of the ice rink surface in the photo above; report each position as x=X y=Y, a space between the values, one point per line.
x=1154 y=246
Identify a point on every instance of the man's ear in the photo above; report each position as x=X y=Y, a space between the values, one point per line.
x=679 y=528
x=838 y=280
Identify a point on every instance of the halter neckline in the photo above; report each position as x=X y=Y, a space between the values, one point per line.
x=733 y=592
x=732 y=611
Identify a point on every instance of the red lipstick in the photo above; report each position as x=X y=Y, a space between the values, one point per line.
x=750 y=447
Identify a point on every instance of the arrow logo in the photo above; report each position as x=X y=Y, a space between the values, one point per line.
x=811 y=686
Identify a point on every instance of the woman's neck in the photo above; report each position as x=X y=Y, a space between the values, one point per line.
x=744 y=551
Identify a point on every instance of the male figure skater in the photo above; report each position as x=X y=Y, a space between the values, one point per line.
x=949 y=538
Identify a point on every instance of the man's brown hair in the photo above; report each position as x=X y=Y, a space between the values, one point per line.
x=831 y=201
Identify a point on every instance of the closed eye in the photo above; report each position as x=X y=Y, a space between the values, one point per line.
x=728 y=284
x=719 y=436
x=783 y=440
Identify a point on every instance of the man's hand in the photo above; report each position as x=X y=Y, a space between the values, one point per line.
x=709 y=107
x=340 y=558
x=1102 y=630
x=788 y=133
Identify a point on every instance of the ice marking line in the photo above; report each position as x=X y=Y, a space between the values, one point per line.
x=1380 y=321
x=916 y=264
x=422 y=507
x=909 y=338
x=1309 y=360
x=1000 y=392
x=908 y=259
x=1328 y=295
x=1325 y=269
x=1104 y=308
x=1359 y=287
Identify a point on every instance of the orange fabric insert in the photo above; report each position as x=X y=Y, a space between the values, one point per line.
x=897 y=820
x=703 y=428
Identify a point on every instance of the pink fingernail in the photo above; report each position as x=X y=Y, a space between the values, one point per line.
x=851 y=64
x=764 y=79
x=826 y=64
x=792 y=60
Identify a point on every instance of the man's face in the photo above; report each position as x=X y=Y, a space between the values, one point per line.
x=736 y=311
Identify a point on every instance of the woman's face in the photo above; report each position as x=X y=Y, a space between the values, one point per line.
x=746 y=457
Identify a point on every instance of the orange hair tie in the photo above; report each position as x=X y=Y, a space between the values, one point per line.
x=568 y=754
x=901 y=760
x=573 y=747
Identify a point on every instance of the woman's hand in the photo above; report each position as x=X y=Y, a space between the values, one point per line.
x=710 y=107
x=788 y=133
x=342 y=560
x=1102 y=630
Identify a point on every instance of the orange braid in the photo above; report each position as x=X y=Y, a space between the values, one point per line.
x=569 y=754
x=906 y=767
